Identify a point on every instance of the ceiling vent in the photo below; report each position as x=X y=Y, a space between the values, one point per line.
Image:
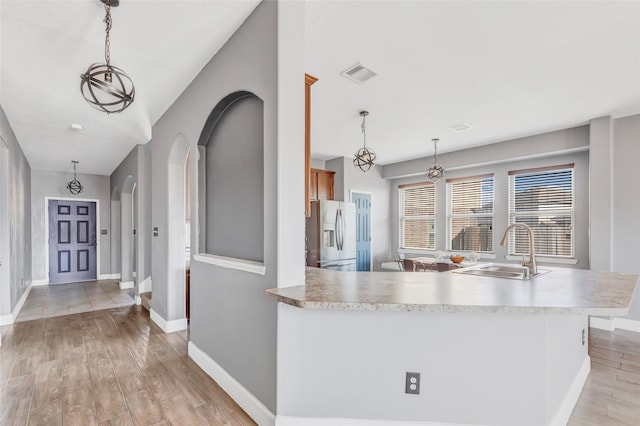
x=358 y=73
x=458 y=127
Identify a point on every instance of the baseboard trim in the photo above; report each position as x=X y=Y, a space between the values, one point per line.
x=145 y=286
x=245 y=399
x=571 y=397
x=11 y=318
x=138 y=300
x=109 y=276
x=38 y=283
x=317 y=421
x=168 y=326
x=614 y=323
x=126 y=284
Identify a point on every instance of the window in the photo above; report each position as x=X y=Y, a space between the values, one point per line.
x=543 y=198
x=470 y=213
x=417 y=216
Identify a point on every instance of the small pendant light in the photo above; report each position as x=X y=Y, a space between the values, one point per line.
x=364 y=158
x=74 y=186
x=435 y=172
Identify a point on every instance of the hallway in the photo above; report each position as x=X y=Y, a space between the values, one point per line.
x=107 y=367
x=73 y=298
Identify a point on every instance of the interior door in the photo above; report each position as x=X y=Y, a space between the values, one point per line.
x=363 y=230
x=72 y=241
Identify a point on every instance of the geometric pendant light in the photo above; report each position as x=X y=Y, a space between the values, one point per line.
x=435 y=172
x=74 y=186
x=364 y=158
x=104 y=86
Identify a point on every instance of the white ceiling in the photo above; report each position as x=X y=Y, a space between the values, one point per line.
x=508 y=68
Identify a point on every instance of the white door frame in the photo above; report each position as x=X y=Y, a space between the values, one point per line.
x=370 y=194
x=46 y=231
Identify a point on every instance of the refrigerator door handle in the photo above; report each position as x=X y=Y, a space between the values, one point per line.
x=342 y=225
x=337 y=229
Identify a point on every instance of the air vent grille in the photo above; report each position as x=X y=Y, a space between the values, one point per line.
x=358 y=73
x=458 y=127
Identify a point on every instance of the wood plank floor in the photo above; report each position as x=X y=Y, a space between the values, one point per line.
x=108 y=367
x=611 y=395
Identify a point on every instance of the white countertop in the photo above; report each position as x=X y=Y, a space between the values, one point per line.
x=562 y=291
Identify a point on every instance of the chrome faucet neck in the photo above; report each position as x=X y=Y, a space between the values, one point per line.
x=531 y=264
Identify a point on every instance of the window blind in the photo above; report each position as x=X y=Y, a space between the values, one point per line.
x=417 y=216
x=544 y=200
x=470 y=213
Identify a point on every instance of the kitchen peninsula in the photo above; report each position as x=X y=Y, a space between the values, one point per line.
x=489 y=351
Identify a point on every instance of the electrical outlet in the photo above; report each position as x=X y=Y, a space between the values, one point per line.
x=584 y=336
x=412 y=383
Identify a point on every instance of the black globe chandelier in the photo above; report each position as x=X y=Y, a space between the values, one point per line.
x=74 y=186
x=105 y=87
x=364 y=158
x=435 y=172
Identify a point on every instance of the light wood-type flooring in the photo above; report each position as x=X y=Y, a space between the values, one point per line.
x=107 y=367
x=611 y=395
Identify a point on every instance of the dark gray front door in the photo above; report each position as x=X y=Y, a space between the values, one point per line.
x=72 y=241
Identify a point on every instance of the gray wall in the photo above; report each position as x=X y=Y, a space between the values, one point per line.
x=349 y=178
x=136 y=164
x=231 y=319
x=464 y=163
x=626 y=201
x=54 y=184
x=18 y=258
x=235 y=225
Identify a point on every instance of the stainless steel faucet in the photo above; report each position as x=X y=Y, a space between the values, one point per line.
x=531 y=264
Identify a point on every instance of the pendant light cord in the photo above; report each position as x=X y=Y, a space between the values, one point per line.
x=107 y=39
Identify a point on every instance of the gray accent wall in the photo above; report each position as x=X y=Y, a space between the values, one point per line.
x=231 y=319
x=16 y=255
x=136 y=164
x=625 y=250
x=561 y=147
x=54 y=184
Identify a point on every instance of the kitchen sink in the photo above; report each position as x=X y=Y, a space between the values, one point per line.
x=500 y=270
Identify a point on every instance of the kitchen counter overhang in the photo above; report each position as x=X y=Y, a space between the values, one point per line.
x=561 y=291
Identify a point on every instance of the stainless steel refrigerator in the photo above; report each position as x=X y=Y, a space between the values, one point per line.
x=331 y=235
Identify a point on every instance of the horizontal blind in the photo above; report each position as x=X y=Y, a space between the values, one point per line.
x=470 y=213
x=417 y=222
x=543 y=200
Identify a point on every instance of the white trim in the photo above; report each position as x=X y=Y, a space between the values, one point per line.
x=126 y=284
x=370 y=194
x=571 y=397
x=168 y=326
x=232 y=263
x=11 y=318
x=317 y=421
x=109 y=276
x=245 y=399
x=610 y=324
x=145 y=286
x=138 y=300
x=46 y=230
x=38 y=283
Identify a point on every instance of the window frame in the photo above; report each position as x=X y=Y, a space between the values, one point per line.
x=451 y=216
x=402 y=218
x=512 y=214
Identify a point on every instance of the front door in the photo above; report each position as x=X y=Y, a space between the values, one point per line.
x=72 y=241
x=363 y=230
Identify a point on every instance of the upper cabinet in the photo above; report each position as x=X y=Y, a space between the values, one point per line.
x=321 y=185
x=308 y=81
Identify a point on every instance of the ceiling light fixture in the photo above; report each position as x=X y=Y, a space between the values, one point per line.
x=435 y=172
x=364 y=158
x=104 y=86
x=74 y=187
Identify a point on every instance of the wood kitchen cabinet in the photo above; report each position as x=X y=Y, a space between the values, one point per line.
x=308 y=81
x=321 y=184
